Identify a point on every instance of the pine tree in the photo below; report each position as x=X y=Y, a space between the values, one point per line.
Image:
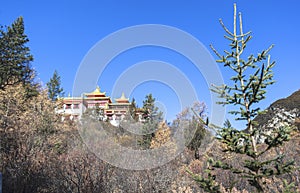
x=150 y=110
x=152 y=117
x=132 y=109
x=15 y=57
x=54 y=87
x=252 y=76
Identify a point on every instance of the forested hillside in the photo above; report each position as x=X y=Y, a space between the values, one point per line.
x=41 y=153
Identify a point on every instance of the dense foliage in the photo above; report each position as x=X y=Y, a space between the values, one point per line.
x=15 y=56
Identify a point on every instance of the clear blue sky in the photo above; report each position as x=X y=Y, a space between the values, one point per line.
x=62 y=32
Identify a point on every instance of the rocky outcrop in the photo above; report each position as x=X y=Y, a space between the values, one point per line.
x=283 y=112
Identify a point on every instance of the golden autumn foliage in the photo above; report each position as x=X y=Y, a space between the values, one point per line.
x=31 y=135
x=162 y=136
x=40 y=153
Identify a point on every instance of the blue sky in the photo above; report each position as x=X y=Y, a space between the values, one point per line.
x=62 y=32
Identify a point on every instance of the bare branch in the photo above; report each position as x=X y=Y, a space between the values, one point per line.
x=234 y=20
x=215 y=51
x=241 y=26
x=244 y=35
x=224 y=27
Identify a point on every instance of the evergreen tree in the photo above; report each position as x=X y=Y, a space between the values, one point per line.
x=152 y=117
x=132 y=109
x=197 y=138
x=15 y=56
x=195 y=132
x=252 y=76
x=54 y=87
x=151 y=112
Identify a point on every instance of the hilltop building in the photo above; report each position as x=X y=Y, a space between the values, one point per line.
x=74 y=107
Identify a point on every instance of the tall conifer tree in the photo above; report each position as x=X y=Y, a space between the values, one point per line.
x=253 y=75
x=15 y=57
x=152 y=117
x=54 y=87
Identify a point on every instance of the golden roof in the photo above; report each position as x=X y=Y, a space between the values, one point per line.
x=96 y=92
x=122 y=98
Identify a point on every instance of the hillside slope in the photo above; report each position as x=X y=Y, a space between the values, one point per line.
x=283 y=112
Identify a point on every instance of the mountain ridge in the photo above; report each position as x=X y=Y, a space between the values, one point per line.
x=282 y=112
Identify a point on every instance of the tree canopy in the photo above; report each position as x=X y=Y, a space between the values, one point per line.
x=15 y=57
x=54 y=87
